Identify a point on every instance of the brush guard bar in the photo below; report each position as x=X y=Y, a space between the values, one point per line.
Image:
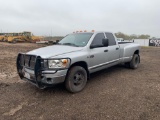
x=35 y=62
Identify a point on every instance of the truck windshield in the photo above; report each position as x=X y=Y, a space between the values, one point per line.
x=77 y=39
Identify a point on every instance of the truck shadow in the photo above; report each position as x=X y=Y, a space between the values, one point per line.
x=32 y=93
x=94 y=78
x=110 y=70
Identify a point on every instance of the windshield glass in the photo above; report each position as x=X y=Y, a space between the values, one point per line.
x=79 y=39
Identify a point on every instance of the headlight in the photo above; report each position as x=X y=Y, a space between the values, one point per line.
x=61 y=63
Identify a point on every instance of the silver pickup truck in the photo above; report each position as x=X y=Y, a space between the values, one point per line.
x=74 y=58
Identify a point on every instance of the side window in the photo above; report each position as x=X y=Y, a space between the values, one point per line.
x=98 y=39
x=111 y=39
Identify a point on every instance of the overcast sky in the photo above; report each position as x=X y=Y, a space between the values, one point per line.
x=60 y=17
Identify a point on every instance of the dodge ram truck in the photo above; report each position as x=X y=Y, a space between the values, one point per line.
x=74 y=58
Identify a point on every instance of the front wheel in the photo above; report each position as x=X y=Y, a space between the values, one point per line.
x=76 y=79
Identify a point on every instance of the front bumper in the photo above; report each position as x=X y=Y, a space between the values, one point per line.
x=37 y=75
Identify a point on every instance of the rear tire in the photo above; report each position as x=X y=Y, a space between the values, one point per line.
x=76 y=79
x=133 y=64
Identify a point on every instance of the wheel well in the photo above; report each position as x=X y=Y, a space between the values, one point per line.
x=82 y=64
x=136 y=52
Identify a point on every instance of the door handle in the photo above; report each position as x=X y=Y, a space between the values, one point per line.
x=117 y=48
x=105 y=50
x=92 y=56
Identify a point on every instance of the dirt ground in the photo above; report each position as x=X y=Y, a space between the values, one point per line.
x=116 y=93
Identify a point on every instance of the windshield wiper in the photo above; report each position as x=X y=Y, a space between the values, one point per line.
x=72 y=44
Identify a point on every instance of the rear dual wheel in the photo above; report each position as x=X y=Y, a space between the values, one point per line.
x=133 y=64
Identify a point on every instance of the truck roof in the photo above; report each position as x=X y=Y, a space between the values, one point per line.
x=93 y=32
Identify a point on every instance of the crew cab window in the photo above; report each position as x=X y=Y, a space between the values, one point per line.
x=111 y=39
x=97 y=41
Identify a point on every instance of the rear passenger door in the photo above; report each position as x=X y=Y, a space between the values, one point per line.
x=113 y=49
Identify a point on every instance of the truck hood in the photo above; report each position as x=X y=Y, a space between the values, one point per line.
x=52 y=51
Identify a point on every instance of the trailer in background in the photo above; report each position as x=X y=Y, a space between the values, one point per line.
x=154 y=42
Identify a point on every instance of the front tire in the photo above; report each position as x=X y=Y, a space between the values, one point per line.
x=76 y=79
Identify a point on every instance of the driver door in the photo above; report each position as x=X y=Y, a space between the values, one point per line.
x=98 y=55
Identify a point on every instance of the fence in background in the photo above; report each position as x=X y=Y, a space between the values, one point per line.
x=148 y=42
x=142 y=42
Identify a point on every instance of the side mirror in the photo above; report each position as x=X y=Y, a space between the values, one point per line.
x=105 y=42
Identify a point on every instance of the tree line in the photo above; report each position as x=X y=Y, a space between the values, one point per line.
x=130 y=37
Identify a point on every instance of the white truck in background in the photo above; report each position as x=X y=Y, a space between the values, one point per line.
x=120 y=39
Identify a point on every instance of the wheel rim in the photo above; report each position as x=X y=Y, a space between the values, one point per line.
x=78 y=78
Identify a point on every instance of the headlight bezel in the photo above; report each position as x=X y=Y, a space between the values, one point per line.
x=47 y=61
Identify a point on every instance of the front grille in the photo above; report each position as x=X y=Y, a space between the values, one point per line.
x=44 y=64
x=32 y=61
x=29 y=61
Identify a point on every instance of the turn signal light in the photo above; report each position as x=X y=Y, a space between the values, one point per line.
x=82 y=31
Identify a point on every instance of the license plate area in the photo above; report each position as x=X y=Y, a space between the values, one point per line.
x=27 y=75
